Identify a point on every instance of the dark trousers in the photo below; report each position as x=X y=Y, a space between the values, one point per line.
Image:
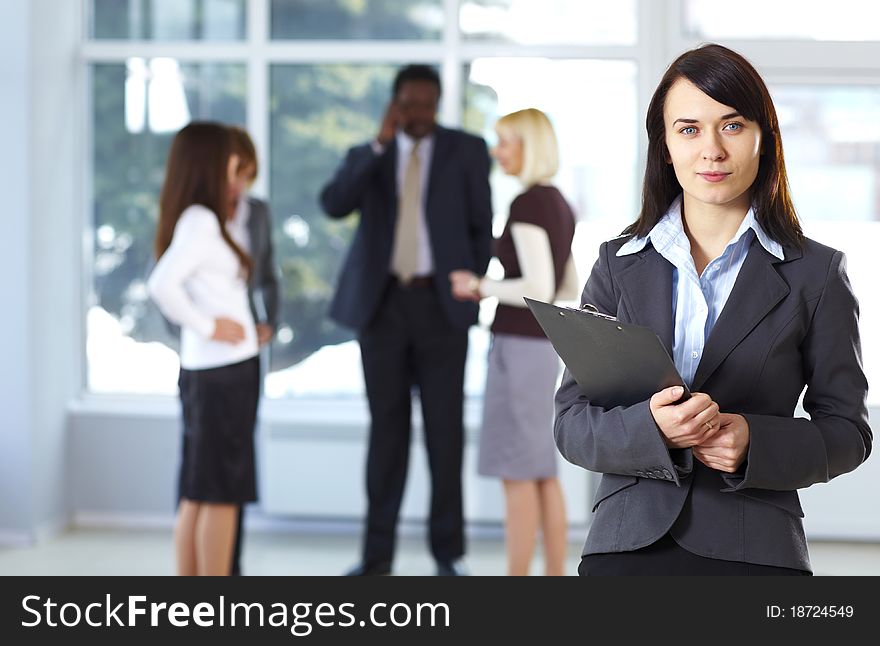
x=410 y=343
x=667 y=558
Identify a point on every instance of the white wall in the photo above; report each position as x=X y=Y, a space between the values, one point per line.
x=15 y=489
x=39 y=261
x=56 y=233
x=311 y=456
x=124 y=458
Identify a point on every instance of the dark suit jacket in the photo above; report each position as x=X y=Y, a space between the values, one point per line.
x=787 y=324
x=458 y=211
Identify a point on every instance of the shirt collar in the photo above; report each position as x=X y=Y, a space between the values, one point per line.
x=669 y=232
x=405 y=143
x=242 y=212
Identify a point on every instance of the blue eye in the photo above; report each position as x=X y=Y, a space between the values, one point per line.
x=689 y=130
x=733 y=126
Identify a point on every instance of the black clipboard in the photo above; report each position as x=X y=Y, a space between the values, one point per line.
x=614 y=363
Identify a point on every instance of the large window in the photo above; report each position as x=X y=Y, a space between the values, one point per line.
x=309 y=78
x=317 y=113
x=366 y=19
x=306 y=98
x=168 y=20
x=137 y=106
x=561 y=22
x=832 y=148
x=841 y=20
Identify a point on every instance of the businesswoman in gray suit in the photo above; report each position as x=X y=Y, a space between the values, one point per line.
x=751 y=312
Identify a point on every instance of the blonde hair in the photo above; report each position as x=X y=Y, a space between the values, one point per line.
x=540 y=151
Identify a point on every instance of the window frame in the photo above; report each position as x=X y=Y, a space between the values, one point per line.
x=258 y=52
x=661 y=35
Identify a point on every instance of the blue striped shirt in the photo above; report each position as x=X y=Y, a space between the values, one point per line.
x=697 y=300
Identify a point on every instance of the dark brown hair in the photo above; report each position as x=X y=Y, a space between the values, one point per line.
x=729 y=78
x=197 y=173
x=243 y=146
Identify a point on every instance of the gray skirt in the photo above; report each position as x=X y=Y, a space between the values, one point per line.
x=516 y=442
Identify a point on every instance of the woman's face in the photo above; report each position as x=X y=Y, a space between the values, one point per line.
x=244 y=178
x=714 y=150
x=509 y=153
x=232 y=169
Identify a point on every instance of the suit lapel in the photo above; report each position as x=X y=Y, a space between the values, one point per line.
x=439 y=156
x=646 y=287
x=757 y=290
x=388 y=179
x=253 y=227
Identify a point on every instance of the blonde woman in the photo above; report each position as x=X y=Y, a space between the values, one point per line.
x=516 y=443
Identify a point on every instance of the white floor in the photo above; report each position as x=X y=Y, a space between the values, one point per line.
x=149 y=552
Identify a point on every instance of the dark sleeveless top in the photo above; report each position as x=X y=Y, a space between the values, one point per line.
x=545 y=207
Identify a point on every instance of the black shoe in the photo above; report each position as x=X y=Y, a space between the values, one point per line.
x=452 y=568
x=370 y=569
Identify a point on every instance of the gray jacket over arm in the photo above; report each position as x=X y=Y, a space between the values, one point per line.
x=264 y=280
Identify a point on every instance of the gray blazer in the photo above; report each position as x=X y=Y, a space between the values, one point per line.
x=264 y=278
x=787 y=324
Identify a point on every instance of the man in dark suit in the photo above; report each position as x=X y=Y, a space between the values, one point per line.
x=425 y=209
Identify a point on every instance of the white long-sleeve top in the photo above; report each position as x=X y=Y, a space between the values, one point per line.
x=535 y=256
x=197 y=280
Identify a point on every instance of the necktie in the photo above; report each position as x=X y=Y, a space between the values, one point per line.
x=405 y=257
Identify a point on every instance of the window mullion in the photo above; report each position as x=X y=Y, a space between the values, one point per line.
x=258 y=88
x=451 y=66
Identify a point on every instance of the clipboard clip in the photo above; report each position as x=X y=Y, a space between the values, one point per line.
x=589 y=308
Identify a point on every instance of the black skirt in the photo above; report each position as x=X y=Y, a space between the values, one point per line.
x=219 y=416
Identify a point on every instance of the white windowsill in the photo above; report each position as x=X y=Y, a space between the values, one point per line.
x=339 y=412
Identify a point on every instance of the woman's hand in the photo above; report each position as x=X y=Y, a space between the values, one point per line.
x=726 y=449
x=465 y=285
x=227 y=331
x=686 y=424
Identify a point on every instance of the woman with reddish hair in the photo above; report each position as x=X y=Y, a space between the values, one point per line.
x=200 y=283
